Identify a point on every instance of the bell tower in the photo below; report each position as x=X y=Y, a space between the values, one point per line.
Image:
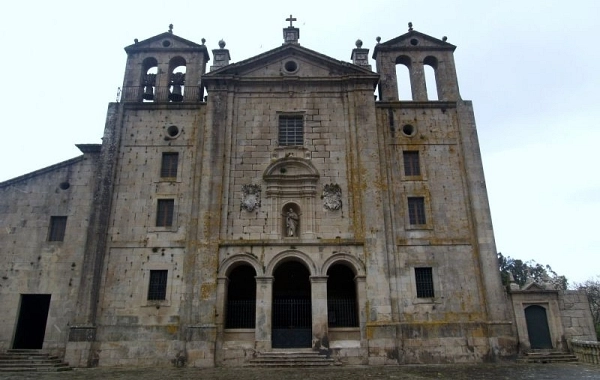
x=164 y=68
x=416 y=50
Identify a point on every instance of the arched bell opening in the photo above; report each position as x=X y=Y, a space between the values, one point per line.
x=149 y=72
x=430 y=65
x=177 y=70
x=292 y=310
x=291 y=220
x=240 y=312
x=342 y=303
x=403 y=66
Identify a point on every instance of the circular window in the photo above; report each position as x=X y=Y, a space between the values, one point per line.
x=64 y=185
x=290 y=66
x=166 y=43
x=173 y=131
x=409 y=130
x=414 y=42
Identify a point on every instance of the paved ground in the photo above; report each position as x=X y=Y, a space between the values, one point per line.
x=459 y=372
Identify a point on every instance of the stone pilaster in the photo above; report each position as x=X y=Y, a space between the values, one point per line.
x=318 y=285
x=264 y=307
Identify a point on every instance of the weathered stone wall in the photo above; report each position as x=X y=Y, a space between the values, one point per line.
x=30 y=264
x=132 y=329
x=576 y=316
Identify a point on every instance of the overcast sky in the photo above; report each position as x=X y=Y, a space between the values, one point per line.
x=530 y=67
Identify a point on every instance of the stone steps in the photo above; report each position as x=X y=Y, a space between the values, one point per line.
x=31 y=361
x=291 y=359
x=547 y=357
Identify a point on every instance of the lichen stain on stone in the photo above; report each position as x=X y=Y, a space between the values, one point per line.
x=172 y=329
x=207 y=290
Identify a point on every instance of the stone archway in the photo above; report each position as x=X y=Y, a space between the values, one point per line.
x=292 y=310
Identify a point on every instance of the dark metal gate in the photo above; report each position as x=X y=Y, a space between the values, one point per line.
x=292 y=322
x=537 y=327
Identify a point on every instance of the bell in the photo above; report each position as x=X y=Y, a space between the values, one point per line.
x=175 y=95
x=148 y=93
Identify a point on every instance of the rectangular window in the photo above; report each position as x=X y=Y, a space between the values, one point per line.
x=157 y=288
x=164 y=212
x=411 y=163
x=168 y=167
x=416 y=210
x=424 y=281
x=58 y=225
x=291 y=130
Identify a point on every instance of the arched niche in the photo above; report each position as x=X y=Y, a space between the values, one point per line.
x=291 y=216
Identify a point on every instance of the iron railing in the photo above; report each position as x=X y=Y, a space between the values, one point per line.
x=141 y=94
x=292 y=313
x=342 y=312
x=241 y=314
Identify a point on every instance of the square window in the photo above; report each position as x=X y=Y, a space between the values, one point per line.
x=411 y=163
x=168 y=167
x=291 y=130
x=424 y=281
x=58 y=225
x=416 y=210
x=157 y=288
x=164 y=212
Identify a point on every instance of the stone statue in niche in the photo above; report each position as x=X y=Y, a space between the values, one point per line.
x=291 y=222
x=250 y=197
x=332 y=197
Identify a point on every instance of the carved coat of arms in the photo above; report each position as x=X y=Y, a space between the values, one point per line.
x=250 y=197
x=332 y=197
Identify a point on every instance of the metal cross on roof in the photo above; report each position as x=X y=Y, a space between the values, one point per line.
x=291 y=19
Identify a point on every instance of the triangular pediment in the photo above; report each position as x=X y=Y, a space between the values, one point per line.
x=291 y=60
x=164 y=41
x=413 y=40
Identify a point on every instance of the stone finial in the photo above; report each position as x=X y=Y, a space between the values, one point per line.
x=378 y=39
x=135 y=41
x=170 y=28
x=360 y=56
x=222 y=44
x=444 y=38
x=203 y=41
x=410 y=27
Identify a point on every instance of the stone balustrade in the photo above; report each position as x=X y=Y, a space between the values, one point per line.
x=586 y=351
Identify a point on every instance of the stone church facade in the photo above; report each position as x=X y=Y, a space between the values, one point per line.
x=268 y=204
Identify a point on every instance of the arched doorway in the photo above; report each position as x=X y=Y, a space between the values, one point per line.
x=537 y=327
x=241 y=298
x=292 y=312
x=341 y=297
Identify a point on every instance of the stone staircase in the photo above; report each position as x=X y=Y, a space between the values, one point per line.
x=31 y=361
x=547 y=356
x=291 y=358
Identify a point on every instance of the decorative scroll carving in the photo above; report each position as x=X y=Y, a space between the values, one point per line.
x=332 y=196
x=250 y=197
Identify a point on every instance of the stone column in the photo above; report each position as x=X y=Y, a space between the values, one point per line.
x=417 y=82
x=264 y=307
x=319 y=311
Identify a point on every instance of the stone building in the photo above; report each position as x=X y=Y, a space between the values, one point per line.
x=269 y=204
